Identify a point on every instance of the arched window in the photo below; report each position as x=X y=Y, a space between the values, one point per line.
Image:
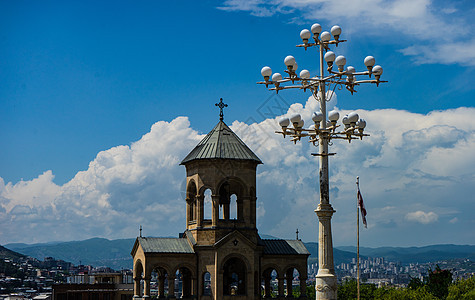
x=270 y=284
x=234 y=277
x=208 y=205
x=292 y=282
x=206 y=284
x=233 y=207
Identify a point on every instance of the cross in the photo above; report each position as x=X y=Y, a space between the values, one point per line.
x=140 y=230
x=221 y=105
x=297 y=232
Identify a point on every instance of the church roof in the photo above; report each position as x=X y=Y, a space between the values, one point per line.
x=221 y=143
x=165 y=245
x=284 y=247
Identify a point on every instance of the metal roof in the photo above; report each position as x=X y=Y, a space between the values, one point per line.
x=221 y=143
x=165 y=245
x=284 y=247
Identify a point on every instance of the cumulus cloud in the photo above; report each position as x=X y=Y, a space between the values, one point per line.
x=436 y=32
x=422 y=217
x=407 y=172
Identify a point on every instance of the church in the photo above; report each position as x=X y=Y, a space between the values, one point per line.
x=220 y=254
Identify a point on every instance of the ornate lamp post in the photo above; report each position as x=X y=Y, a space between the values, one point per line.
x=323 y=131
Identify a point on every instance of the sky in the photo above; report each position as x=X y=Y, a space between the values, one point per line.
x=100 y=101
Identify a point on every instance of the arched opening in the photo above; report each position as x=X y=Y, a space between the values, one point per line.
x=183 y=286
x=233 y=215
x=208 y=205
x=191 y=202
x=138 y=281
x=224 y=201
x=159 y=283
x=269 y=284
x=292 y=283
x=206 y=290
x=234 y=277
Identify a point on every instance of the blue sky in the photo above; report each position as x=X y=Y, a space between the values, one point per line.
x=84 y=86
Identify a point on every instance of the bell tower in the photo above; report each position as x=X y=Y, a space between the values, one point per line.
x=225 y=167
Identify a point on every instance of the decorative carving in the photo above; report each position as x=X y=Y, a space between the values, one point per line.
x=323 y=288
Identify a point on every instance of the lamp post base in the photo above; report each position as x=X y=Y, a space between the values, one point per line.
x=325 y=286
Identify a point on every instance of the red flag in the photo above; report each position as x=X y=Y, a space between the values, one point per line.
x=361 y=206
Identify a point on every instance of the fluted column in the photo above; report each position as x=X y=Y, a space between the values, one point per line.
x=326 y=281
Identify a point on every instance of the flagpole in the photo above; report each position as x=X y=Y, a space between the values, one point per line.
x=357 y=238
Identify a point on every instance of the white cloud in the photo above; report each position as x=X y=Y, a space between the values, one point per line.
x=433 y=32
x=410 y=169
x=422 y=217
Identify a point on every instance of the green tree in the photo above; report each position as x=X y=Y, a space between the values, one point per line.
x=438 y=282
x=415 y=283
x=403 y=294
x=349 y=290
x=462 y=290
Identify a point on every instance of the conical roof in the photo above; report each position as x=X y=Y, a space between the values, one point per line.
x=221 y=143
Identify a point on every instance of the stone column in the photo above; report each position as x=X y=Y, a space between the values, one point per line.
x=215 y=218
x=137 y=291
x=289 y=276
x=303 y=287
x=161 y=286
x=267 y=293
x=281 y=286
x=326 y=281
x=200 y=210
x=171 y=287
x=226 y=213
x=146 y=288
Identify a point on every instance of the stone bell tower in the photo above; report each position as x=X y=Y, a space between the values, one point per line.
x=220 y=254
x=223 y=164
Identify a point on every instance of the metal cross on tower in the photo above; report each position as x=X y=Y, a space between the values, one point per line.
x=221 y=105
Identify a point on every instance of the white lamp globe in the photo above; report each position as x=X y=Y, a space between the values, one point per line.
x=316 y=28
x=377 y=70
x=361 y=124
x=350 y=70
x=305 y=34
x=304 y=74
x=336 y=31
x=333 y=116
x=353 y=117
x=295 y=67
x=329 y=56
x=369 y=61
x=289 y=60
x=325 y=36
x=276 y=77
x=295 y=118
x=301 y=123
x=266 y=71
x=345 y=120
x=311 y=127
x=317 y=117
x=340 y=60
x=284 y=122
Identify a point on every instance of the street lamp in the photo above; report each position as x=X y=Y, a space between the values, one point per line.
x=323 y=131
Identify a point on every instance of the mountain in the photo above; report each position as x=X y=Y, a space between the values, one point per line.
x=9 y=254
x=116 y=253
x=424 y=254
x=96 y=252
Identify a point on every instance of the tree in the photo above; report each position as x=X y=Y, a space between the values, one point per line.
x=438 y=282
x=462 y=290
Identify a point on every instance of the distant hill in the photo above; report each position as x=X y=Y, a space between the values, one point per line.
x=9 y=254
x=417 y=254
x=96 y=252
x=116 y=253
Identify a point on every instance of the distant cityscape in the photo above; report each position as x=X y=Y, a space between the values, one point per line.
x=24 y=277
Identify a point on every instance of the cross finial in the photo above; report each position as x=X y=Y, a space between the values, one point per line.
x=221 y=105
x=297 y=233
x=140 y=230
